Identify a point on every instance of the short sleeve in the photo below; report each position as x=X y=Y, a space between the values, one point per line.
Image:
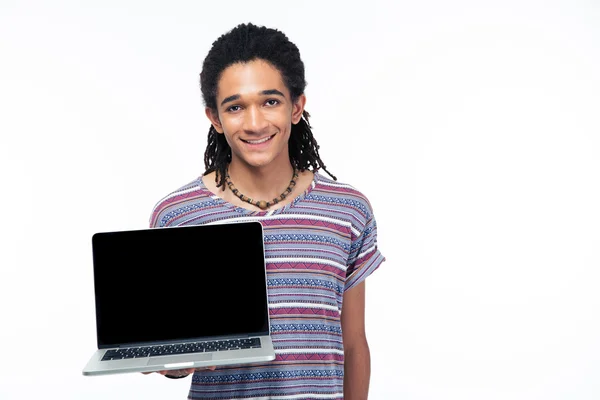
x=364 y=257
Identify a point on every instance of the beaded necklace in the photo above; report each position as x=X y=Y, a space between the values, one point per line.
x=263 y=205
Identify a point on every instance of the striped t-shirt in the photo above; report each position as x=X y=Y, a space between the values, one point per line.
x=317 y=247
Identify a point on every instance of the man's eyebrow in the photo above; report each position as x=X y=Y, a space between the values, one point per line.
x=264 y=93
x=271 y=92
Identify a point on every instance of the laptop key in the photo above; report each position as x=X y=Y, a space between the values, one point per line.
x=108 y=356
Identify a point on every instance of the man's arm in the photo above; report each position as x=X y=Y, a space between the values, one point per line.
x=357 y=359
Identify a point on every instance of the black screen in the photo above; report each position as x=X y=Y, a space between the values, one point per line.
x=179 y=283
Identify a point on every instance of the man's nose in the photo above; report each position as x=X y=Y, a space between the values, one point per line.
x=255 y=120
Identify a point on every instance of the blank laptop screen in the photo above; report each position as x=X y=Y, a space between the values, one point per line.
x=179 y=283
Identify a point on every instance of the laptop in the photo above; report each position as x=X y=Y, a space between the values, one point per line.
x=180 y=297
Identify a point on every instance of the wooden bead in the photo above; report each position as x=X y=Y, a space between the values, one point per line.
x=263 y=205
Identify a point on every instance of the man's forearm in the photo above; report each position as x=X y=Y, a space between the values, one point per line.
x=357 y=372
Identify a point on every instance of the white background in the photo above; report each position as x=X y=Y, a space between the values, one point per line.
x=473 y=128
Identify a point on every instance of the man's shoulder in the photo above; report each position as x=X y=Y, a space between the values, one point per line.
x=187 y=196
x=340 y=192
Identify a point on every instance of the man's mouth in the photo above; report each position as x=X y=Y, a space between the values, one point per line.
x=258 y=141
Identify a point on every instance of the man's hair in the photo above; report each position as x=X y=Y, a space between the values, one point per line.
x=245 y=43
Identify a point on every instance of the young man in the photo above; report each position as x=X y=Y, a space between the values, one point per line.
x=262 y=164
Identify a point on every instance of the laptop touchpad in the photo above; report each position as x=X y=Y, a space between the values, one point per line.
x=184 y=358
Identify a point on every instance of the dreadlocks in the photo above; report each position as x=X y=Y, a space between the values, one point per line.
x=245 y=43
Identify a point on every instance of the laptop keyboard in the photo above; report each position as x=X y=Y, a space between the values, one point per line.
x=185 y=348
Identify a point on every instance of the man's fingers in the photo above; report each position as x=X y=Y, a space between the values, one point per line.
x=178 y=372
x=205 y=368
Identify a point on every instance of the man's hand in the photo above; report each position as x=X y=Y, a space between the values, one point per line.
x=181 y=372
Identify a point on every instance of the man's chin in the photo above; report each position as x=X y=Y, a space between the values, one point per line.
x=258 y=163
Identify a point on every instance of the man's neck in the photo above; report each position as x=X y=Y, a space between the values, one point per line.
x=264 y=183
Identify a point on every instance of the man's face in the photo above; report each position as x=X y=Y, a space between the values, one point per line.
x=255 y=113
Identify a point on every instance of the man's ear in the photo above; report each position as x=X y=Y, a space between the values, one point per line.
x=298 y=108
x=213 y=116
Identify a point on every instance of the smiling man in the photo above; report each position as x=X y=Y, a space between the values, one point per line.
x=262 y=163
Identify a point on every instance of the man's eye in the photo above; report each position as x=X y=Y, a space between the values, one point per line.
x=232 y=108
x=272 y=102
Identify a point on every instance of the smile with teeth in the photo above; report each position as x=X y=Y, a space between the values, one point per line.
x=258 y=141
